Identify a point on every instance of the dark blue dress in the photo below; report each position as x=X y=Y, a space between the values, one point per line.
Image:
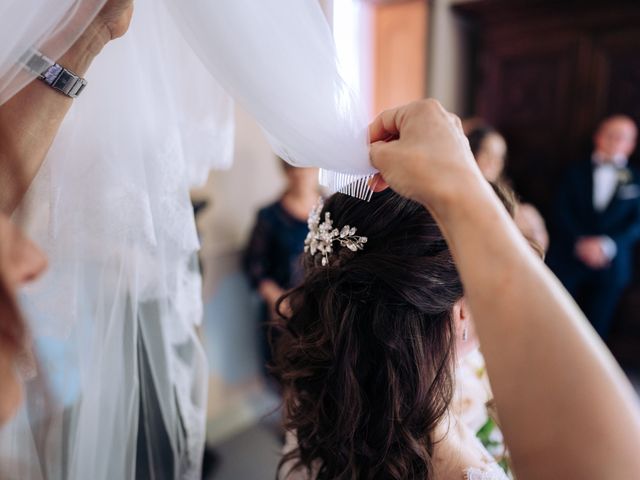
x=274 y=250
x=274 y=253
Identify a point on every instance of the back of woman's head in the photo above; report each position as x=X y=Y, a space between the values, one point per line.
x=365 y=353
x=478 y=135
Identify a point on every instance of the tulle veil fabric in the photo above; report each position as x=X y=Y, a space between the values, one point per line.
x=115 y=316
x=50 y=26
x=114 y=319
x=277 y=59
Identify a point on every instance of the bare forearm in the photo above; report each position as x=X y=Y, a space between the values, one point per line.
x=30 y=120
x=560 y=395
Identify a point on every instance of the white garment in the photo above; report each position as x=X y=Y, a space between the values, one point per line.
x=277 y=59
x=472 y=391
x=605 y=180
x=491 y=472
x=605 y=184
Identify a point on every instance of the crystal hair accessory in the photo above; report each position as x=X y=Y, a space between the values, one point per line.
x=322 y=236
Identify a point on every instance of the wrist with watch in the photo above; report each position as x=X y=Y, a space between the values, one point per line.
x=53 y=74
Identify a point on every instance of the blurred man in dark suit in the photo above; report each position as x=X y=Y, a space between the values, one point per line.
x=597 y=217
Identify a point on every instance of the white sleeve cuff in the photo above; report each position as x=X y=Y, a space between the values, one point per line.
x=609 y=247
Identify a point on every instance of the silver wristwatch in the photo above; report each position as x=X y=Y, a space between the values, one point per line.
x=53 y=74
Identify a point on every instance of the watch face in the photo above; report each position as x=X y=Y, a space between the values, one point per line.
x=63 y=79
x=52 y=73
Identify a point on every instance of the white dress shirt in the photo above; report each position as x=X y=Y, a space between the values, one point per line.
x=605 y=183
x=605 y=179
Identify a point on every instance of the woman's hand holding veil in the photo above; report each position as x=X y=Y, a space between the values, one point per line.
x=419 y=145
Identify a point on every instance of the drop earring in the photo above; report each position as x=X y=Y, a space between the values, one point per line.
x=464 y=334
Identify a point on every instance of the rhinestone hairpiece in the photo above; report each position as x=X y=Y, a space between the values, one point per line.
x=322 y=236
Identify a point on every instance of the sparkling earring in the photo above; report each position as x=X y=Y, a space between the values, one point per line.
x=464 y=334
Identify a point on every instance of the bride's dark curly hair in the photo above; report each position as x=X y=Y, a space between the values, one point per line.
x=365 y=350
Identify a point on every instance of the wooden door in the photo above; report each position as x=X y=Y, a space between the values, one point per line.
x=615 y=79
x=399 y=53
x=547 y=73
x=531 y=91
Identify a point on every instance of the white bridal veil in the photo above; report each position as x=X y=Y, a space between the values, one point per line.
x=277 y=58
x=114 y=318
x=115 y=315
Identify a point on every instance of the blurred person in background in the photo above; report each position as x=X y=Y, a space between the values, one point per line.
x=597 y=223
x=490 y=151
x=272 y=258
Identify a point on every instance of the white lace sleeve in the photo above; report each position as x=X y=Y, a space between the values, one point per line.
x=490 y=472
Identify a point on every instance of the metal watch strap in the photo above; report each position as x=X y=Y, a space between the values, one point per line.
x=53 y=74
x=63 y=80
